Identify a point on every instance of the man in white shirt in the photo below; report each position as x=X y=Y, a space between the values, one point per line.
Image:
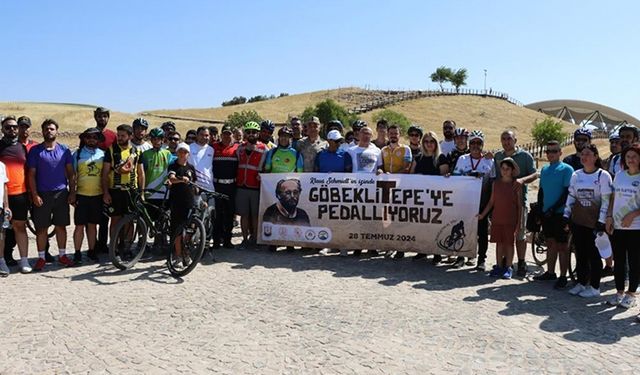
x=477 y=165
x=448 y=144
x=201 y=157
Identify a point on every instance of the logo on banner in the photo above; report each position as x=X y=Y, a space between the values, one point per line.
x=454 y=241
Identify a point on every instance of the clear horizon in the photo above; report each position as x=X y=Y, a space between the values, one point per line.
x=131 y=57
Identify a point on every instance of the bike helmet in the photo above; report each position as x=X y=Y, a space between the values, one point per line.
x=267 y=125
x=285 y=131
x=460 y=132
x=629 y=127
x=358 y=124
x=476 y=134
x=335 y=124
x=415 y=128
x=140 y=122
x=156 y=133
x=614 y=136
x=582 y=131
x=252 y=125
x=168 y=126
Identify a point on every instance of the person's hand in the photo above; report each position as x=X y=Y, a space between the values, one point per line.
x=609 y=225
x=37 y=201
x=479 y=216
x=627 y=220
x=488 y=155
x=71 y=199
x=185 y=179
x=519 y=182
x=106 y=198
x=600 y=227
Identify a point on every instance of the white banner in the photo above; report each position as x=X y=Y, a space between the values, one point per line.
x=425 y=214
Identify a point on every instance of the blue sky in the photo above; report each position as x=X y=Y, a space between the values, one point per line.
x=136 y=55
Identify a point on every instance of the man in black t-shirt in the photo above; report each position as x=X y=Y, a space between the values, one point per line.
x=581 y=139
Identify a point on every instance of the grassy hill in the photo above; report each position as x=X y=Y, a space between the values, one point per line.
x=490 y=115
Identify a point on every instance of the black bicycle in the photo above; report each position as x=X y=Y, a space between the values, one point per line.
x=135 y=229
x=197 y=233
x=539 y=252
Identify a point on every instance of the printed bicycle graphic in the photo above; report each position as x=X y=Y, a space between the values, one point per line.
x=455 y=240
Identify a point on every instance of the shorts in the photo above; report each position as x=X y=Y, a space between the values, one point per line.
x=88 y=210
x=19 y=205
x=553 y=228
x=502 y=233
x=247 y=202
x=120 y=202
x=54 y=210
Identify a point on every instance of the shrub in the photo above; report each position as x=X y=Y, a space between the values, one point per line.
x=329 y=110
x=238 y=119
x=547 y=130
x=236 y=100
x=394 y=118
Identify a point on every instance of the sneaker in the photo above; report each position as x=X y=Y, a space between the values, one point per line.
x=458 y=263
x=290 y=248
x=547 y=276
x=39 y=266
x=77 y=257
x=470 y=262
x=374 y=253
x=25 y=267
x=481 y=267
x=48 y=257
x=177 y=263
x=324 y=251
x=65 y=261
x=615 y=299
x=561 y=283
x=606 y=271
x=522 y=269
x=344 y=252
x=419 y=256
x=4 y=270
x=496 y=271
x=577 y=289
x=508 y=273
x=436 y=259
x=398 y=255
x=628 y=301
x=590 y=292
x=91 y=254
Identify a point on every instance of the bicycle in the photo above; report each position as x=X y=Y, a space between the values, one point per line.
x=539 y=252
x=454 y=242
x=197 y=232
x=131 y=234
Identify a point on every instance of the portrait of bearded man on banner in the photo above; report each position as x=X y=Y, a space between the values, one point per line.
x=286 y=211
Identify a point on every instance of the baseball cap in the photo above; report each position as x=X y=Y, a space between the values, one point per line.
x=24 y=120
x=314 y=119
x=334 y=135
x=226 y=128
x=183 y=146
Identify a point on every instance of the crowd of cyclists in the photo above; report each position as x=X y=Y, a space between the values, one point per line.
x=596 y=202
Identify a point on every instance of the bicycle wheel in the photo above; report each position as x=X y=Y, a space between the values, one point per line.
x=32 y=228
x=193 y=241
x=128 y=241
x=538 y=248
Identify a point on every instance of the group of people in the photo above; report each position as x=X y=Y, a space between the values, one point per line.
x=581 y=195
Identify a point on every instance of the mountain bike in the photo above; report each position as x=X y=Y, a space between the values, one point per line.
x=197 y=232
x=135 y=229
x=539 y=252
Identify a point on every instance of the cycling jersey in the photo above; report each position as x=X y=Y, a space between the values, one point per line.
x=283 y=160
x=156 y=164
x=88 y=166
x=124 y=164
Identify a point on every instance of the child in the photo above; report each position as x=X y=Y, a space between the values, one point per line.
x=506 y=203
x=182 y=194
x=4 y=210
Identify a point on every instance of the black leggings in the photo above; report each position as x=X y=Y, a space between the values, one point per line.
x=588 y=260
x=625 y=247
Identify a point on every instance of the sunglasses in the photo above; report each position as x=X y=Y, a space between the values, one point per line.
x=551 y=151
x=10 y=127
x=174 y=139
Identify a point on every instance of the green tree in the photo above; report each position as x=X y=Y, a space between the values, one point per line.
x=238 y=119
x=441 y=75
x=459 y=78
x=394 y=118
x=329 y=110
x=547 y=130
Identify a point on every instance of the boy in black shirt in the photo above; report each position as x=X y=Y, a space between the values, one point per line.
x=181 y=192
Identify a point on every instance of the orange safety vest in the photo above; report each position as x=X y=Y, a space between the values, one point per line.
x=250 y=165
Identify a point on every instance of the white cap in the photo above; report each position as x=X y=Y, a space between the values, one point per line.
x=183 y=146
x=604 y=245
x=334 y=135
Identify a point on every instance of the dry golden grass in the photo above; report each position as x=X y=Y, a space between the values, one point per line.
x=487 y=114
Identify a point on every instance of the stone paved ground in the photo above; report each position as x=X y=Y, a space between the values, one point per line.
x=297 y=312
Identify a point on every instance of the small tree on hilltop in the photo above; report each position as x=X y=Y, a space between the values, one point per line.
x=329 y=110
x=238 y=119
x=393 y=117
x=459 y=78
x=547 y=130
x=441 y=75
